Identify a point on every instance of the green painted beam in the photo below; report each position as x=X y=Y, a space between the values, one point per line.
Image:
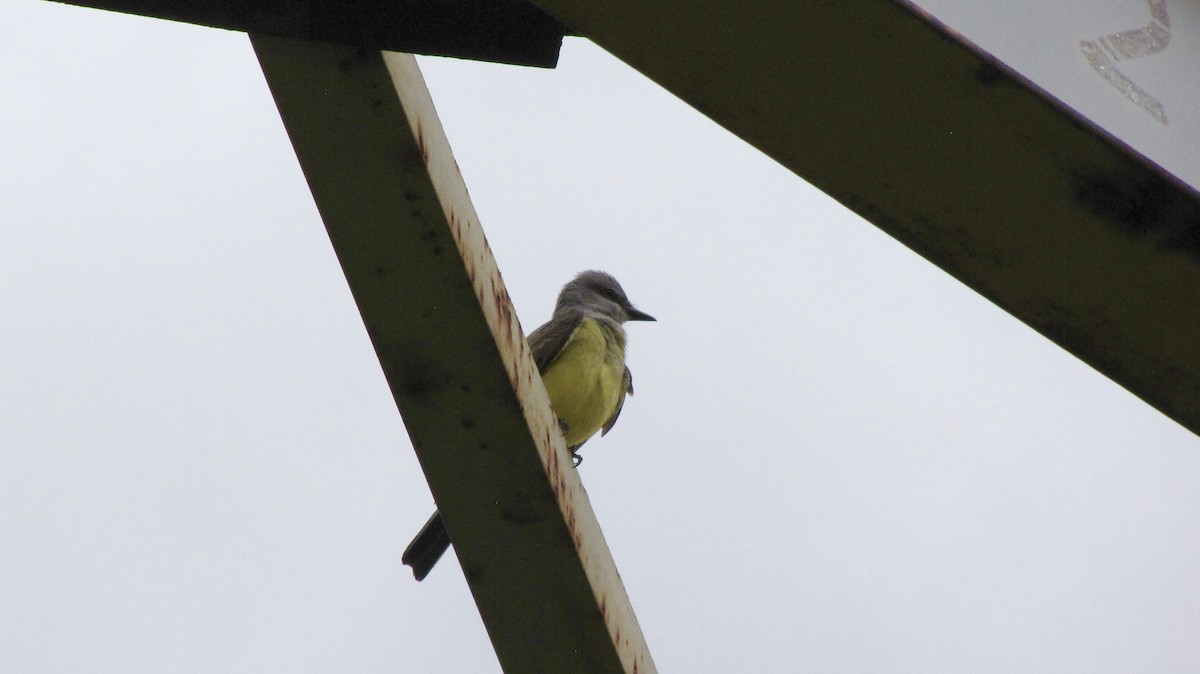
x=954 y=155
x=508 y=31
x=431 y=297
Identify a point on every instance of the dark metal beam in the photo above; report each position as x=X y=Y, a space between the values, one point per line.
x=431 y=297
x=953 y=154
x=507 y=31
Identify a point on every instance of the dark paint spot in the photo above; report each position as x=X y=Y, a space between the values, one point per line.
x=988 y=74
x=1140 y=204
x=410 y=375
x=521 y=516
x=353 y=61
x=416 y=386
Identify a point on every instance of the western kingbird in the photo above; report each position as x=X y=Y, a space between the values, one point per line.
x=580 y=353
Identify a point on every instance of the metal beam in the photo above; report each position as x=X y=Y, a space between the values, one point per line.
x=431 y=297
x=508 y=31
x=954 y=155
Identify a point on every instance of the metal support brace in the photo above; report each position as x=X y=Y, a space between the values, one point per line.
x=431 y=297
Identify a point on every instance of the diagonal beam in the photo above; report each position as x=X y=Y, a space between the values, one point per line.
x=951 y=153
x=431 y=297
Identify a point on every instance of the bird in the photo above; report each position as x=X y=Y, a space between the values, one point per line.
x=580 y=353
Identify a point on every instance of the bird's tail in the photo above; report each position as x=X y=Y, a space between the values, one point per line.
x=427 y=547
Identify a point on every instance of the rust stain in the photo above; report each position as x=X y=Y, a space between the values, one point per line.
x=552 y=467
x=504 y=312
x=421 y=143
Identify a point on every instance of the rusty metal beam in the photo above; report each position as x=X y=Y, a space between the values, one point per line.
x=430 y=293
x=954 y=155
x=507 y=31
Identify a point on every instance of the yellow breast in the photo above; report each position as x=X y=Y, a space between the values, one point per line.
x=584 y=381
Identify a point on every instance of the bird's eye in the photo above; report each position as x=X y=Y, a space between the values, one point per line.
x=611 y=294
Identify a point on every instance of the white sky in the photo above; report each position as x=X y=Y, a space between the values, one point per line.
x=839 y=459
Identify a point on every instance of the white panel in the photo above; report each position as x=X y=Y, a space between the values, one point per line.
x=1131 y=66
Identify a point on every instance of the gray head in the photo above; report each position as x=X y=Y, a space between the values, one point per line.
x=598 y=294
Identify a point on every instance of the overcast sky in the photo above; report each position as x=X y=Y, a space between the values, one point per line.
x=839 y=459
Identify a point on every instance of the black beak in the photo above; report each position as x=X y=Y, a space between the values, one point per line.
x=635 y=315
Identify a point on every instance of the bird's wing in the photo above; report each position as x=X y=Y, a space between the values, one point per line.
x=626 y=388
x=548 y=340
